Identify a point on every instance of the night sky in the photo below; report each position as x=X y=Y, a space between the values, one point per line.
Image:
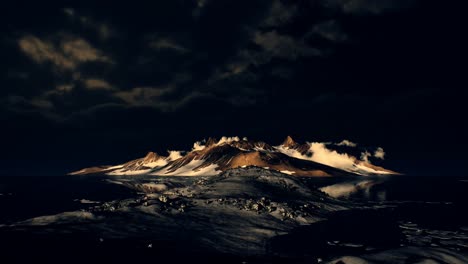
x=93 y=86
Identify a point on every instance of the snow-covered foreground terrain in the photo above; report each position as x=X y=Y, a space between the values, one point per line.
x=250 y=213
x=230 y=213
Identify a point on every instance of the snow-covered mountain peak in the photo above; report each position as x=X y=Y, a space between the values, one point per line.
x=289 y=142
x=212 y=156
x=151 y=157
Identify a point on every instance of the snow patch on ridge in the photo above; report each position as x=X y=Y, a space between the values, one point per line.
x=190 y=169
x=371 y=170
x=227 y=140
x=174 y=154
x=129 y=172
x=198 y=146
x=158 y=163
x=291 y=153
x=114 y=167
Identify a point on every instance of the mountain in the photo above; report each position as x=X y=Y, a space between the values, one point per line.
x=211 y=157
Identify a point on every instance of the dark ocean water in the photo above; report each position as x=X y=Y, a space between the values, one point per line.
x=422 y=211
x=26 y=197
x=404 y=188
x=432 y=205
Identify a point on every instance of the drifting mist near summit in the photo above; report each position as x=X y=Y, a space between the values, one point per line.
x=211 y=157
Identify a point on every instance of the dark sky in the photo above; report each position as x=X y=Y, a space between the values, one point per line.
x=89 y=86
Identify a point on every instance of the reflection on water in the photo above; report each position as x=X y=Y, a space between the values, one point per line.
x=346 y=189
x=394 y=189
x=361 y=188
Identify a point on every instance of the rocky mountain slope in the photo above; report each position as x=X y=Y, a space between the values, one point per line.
x=212 y=157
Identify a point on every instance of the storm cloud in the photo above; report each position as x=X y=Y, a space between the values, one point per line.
x=117 y=81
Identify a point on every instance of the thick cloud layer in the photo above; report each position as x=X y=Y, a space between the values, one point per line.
x=115 y=82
